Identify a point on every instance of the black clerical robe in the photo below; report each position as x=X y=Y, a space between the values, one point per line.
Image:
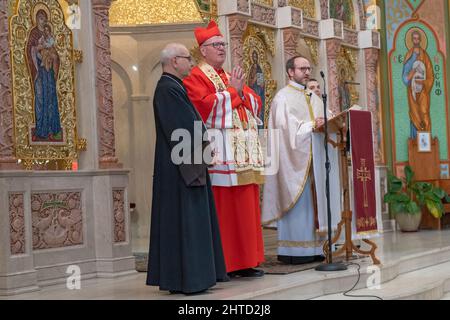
x=185 y=247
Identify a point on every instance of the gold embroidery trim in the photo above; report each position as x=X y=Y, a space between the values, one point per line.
x=308 y=102
x=365 y=222
x=300 y=244
x=213 y=76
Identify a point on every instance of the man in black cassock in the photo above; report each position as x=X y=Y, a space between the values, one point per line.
x=185 y=247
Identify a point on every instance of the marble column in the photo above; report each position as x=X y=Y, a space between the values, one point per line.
x=237 y=25
x=7 y=158
x=105 y=116
x=371 y=66
x=333 y=47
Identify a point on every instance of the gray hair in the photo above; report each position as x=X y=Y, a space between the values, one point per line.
x=170 y=51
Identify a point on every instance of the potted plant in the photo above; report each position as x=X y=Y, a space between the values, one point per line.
x=407 y=198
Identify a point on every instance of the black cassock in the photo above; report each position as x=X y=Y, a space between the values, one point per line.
x=185 y=247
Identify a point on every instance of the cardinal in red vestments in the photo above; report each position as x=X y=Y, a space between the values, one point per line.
x=229 y=109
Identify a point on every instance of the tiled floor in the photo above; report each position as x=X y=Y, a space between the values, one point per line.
x=392 y=247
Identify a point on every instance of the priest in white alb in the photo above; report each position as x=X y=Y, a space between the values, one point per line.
x=294 y=194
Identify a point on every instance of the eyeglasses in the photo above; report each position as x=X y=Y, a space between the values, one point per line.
x=188 y=57
x=304 y=69
x=217 y=45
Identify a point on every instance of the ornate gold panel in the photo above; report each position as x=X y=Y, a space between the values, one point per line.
x=347 y=62
x=313 y=46
x=257 y=45
x=308 y=7
x=78 y=56
x=265 y=34
x=43 y=78
x=207 y=9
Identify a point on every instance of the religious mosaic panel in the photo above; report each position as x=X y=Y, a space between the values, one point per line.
x=372 y=13
x=258 y=50
x=347 y=63
x=417 y=52
x=43 y=84
x=343 y=10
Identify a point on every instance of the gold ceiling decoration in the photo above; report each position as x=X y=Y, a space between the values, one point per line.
x=138 y=12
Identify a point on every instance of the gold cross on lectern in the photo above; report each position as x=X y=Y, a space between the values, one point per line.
x=363 y=175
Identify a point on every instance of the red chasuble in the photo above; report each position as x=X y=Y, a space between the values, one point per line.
x=236 y=190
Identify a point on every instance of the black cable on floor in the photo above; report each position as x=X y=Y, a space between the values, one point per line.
x=357 y=281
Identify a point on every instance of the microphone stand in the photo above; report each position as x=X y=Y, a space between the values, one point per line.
x=330 y=266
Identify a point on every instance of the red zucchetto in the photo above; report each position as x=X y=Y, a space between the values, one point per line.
x=203 y=34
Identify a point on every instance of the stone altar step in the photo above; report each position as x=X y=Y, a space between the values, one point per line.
x=431 y=283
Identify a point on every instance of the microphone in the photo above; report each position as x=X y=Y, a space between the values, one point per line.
x=329 y=266
x=324 y=94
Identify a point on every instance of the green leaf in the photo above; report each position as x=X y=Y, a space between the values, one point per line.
x=434 y=209
x=394 y=183
x=409 y=174
x=432 y=197
x=398 y=207
x=389 y=197
x=396 y=197
x=422 y=187
x=447 y=198
x=421 y=198
x=439 y=192
x=412 y=207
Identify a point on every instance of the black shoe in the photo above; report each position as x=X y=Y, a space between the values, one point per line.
x=249 y=273
x=296 y=260
x=175 y=292
x=187 y=293
x=319 y=258
x=302 y=260
x=285 y=259
x=195 y=293
x=225 y=278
